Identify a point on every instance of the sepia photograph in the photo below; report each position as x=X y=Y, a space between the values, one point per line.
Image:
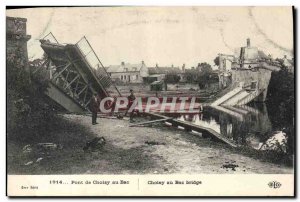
x=155 y=95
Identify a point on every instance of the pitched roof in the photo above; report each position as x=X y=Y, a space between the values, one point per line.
x=126 y=67
x=164 y=70
x=191 y=70
x=288 y=62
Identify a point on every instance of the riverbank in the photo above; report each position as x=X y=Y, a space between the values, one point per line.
x=131 y=150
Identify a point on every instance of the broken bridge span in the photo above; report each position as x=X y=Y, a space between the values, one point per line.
x=71 y=72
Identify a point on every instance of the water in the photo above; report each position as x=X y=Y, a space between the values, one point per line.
x=247 y=126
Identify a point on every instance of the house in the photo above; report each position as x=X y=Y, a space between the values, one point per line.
x=245 y=59
x=128 y=73
x=172 y=74
x=154 y=77
x=288 y=63
x=191 y=75
x=251 y=69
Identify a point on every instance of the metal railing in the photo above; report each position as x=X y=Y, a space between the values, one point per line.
x=249 y=97
x=91 y=57
x=51 y=38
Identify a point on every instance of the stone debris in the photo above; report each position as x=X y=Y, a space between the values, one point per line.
x=28 y=163
x=27 y=149
x=278 y=142
x=32 y=162
x=230 y=165
x=39 y=160
x=180 y=142
x=119 y=116
x=95 y=144
x=41 y=147
x=48 y=146
x=154 y=143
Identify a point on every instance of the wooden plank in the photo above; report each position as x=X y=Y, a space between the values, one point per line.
x=194 y=127
x=201 y=129
x=148 y=122
x=105 y=116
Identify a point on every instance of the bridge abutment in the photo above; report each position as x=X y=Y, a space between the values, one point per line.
x=261 y=76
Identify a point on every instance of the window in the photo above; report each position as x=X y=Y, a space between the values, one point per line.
x=124 y=77
x=121 y=77
x=136 y=77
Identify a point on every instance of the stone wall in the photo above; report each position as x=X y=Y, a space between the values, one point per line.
x=16 y=41
x=262 y=76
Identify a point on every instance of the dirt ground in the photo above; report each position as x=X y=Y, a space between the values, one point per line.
x=134 y=150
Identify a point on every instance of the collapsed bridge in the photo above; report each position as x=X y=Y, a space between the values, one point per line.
x=74 y=72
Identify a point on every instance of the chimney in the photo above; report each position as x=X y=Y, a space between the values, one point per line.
x=183 y=67
x=122 y=63
x=270 y=57
x=172 y=65
x=156 y=65
x=220 y=62
x=285 y=56
x=248 y=43
x=143 y=63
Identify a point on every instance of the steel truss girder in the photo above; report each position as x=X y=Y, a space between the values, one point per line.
x=69 y=75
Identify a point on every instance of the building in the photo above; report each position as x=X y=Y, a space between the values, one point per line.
x=154 y=77
x=249 y=56
x=288 y=63
x=128 y=73
x=245 y=58
x=172 y=74
x=250 y=69
x=191 y=75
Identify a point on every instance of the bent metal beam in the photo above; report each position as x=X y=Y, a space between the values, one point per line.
x=72 y=78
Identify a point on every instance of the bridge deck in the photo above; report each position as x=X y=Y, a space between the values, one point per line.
x=190 y=126
x=62 y=54
x=76 y=72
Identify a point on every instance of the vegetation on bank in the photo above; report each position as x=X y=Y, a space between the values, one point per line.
x=32 y=119
x=281 y=104
x=70 y=138
x=28 y=115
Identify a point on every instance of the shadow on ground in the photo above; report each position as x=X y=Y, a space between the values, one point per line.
x=71 y=159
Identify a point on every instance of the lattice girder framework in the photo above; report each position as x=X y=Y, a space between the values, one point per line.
x=69 y=80
x=71 y=70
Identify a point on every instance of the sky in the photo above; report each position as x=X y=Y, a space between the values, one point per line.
x=162 y=35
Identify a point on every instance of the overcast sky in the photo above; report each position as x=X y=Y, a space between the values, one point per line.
x=163 y=35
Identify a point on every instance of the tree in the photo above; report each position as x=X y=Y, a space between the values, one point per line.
x=191 y=75
x=204 y=68
x=28 y=114
x=280 y=61
x=281 y=99
x=217 y=61
x=204 y=77
x=172 y=78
